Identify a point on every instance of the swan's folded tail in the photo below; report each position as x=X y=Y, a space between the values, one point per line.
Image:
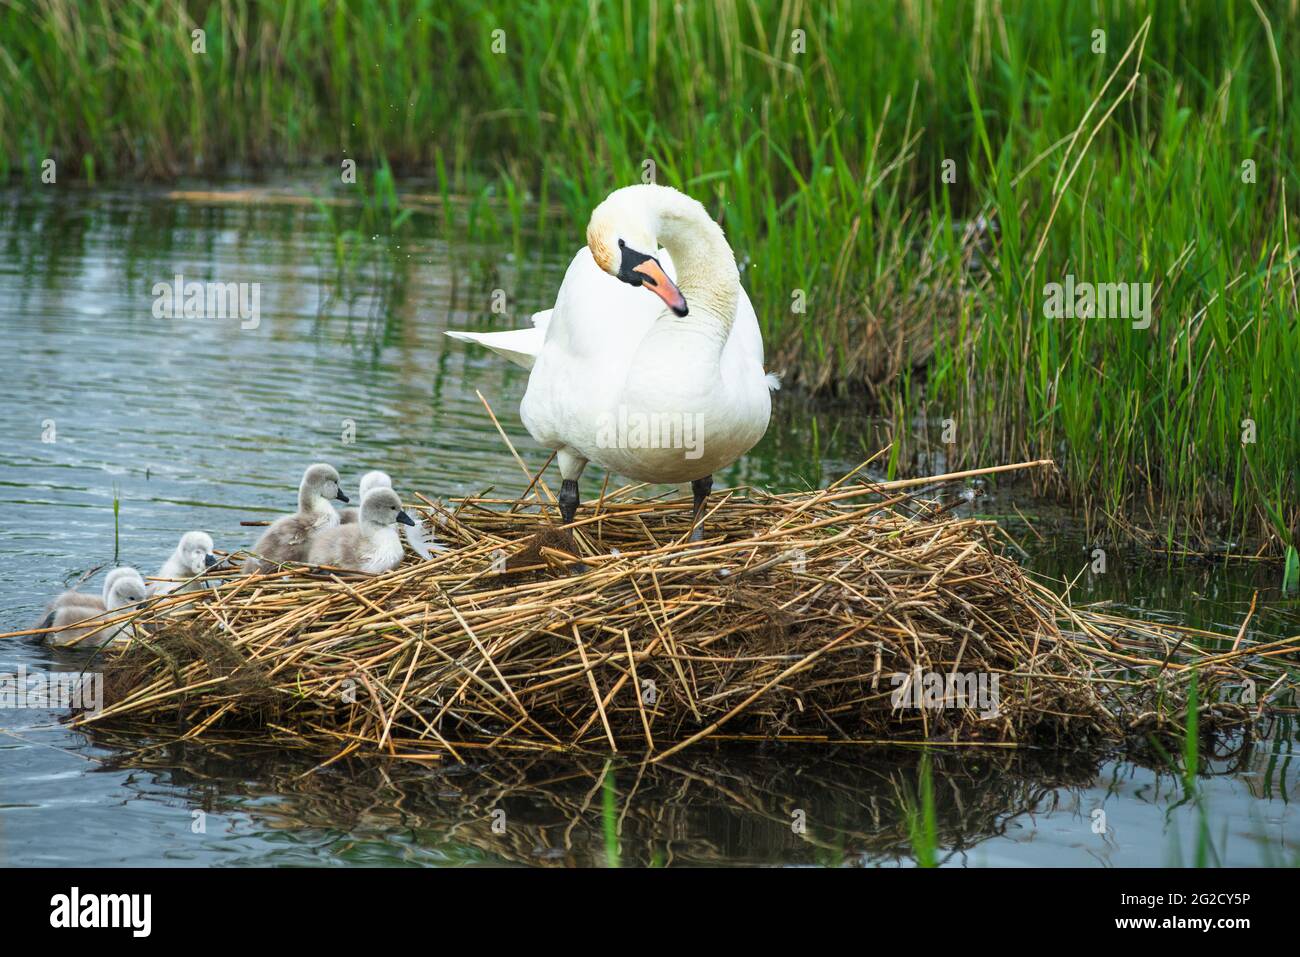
x=520 y=346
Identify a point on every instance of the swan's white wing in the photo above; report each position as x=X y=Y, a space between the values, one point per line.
x=745 y=344
x=597 y=315
x=520 y=346
x=592 y=336
x=745 y=335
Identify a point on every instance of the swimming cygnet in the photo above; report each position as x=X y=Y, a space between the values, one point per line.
x=73 y=612
x=193 y=556
x=289 y=538
x=369 y=482
x=372 y=544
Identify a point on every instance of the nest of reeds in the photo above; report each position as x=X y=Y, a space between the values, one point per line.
x=853 y=613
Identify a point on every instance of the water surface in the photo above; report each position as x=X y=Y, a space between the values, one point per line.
x=199 y=423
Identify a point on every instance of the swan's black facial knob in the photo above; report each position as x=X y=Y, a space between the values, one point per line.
x=631 y=258
x=642 y=269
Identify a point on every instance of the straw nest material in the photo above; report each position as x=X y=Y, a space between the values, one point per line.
x=802 y=617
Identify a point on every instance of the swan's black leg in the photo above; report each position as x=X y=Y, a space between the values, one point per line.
x=568 y=500
x=700 y=488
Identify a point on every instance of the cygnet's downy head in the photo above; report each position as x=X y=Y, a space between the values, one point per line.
x=383 y=507
x=195 y=552
x=371 y=481
x=124 y=589
x=322 y=480
x=113 y=575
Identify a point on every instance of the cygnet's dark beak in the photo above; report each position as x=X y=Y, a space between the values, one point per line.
x=405 y=519
x=340 y=496
x=209 y=560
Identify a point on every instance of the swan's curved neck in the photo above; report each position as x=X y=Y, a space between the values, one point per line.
x=705 y=264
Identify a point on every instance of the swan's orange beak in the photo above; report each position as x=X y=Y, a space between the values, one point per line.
x=657 y=280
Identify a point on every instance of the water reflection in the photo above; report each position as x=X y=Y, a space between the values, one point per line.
x=733 y=807
x=777 y=805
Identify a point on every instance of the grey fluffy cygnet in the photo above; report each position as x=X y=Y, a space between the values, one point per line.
x=372 y=544
x=74 y=613
x=193 y=556
x=289 y=538
x=417 y=536
x=369 y=482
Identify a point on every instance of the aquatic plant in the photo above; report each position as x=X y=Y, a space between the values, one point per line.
x=117 y=524
x=609 y=815
x=904 y=183
x=921 y=826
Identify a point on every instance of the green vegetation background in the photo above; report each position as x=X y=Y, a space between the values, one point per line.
x=1160 y=150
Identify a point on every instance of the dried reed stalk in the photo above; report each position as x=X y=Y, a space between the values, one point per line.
x=798 y=618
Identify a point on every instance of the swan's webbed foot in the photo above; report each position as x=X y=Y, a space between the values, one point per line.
x=700 y=488
x=568 y=500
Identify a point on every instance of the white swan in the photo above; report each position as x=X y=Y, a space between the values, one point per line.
x=665 y=390
x=193 y=556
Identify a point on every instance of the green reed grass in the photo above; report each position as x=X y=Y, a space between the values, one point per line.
x=827 y=169
x=117 y=525
x=1205 y=852
x=921 y=824
x=609 y=816
x=1189 y=768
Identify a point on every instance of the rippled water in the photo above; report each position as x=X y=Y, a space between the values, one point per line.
x=190 y=423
